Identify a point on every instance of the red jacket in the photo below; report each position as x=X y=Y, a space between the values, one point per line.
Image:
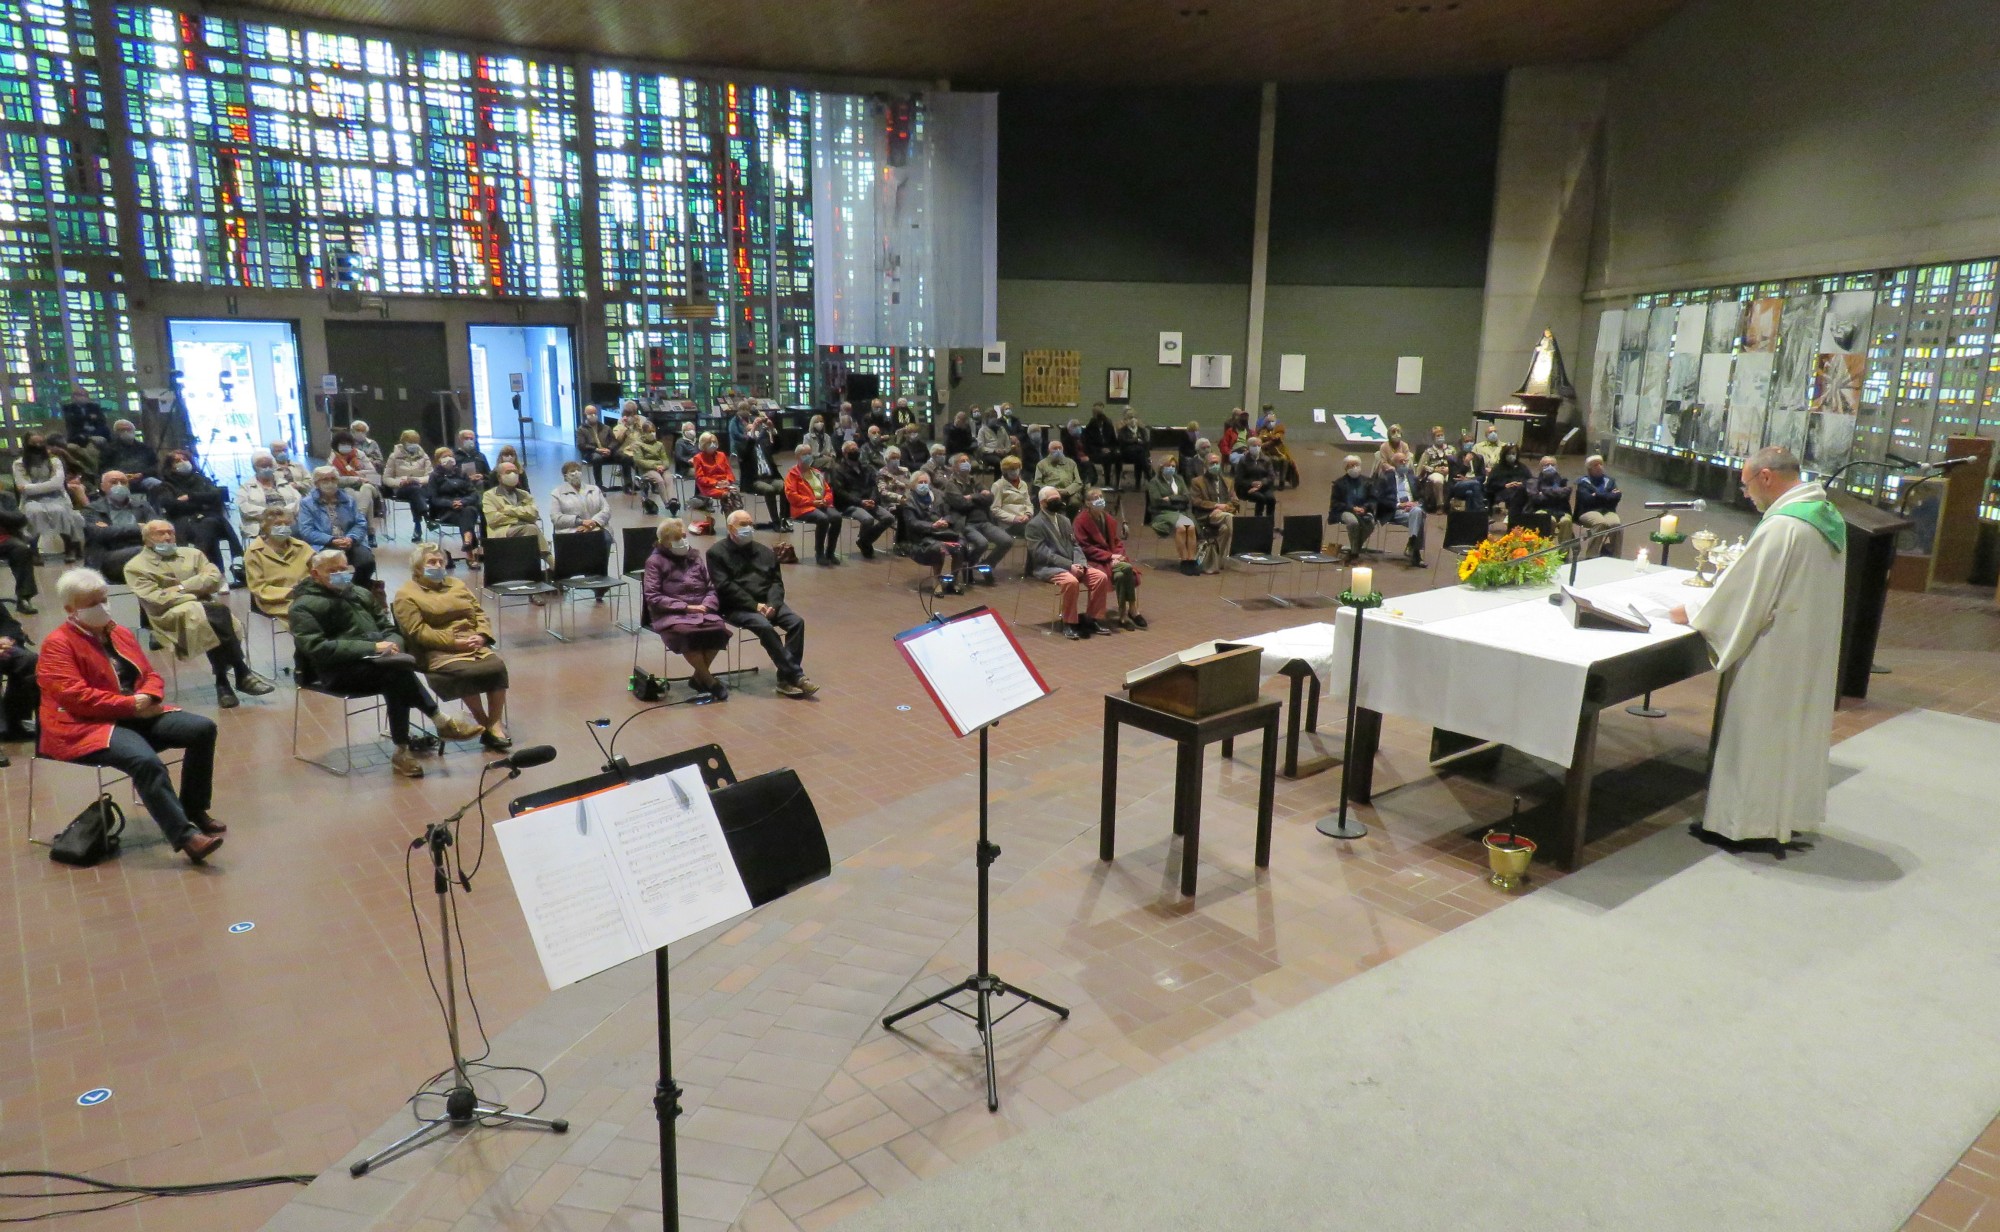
x=799 y=493
x=711 y=473
x=1099 y=543
x=80 y=696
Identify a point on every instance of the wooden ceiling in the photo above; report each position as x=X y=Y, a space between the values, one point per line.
x=984 y=43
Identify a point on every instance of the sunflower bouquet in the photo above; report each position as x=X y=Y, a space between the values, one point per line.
x=1510 y=560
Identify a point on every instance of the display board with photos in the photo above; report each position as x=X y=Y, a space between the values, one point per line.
x=1836 y=368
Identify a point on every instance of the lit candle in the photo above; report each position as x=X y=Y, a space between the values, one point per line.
x=1668 y=523
x=1362 y=581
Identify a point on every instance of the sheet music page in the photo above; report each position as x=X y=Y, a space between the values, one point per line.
x=975 y=670
x=568 y=889
x=667 y=843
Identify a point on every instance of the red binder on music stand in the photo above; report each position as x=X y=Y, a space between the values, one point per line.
x=973 y=668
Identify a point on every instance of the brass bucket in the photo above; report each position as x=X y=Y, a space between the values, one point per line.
x=1509 y=862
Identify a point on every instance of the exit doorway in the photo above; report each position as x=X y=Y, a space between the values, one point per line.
x=240 y=381
x=535 y=362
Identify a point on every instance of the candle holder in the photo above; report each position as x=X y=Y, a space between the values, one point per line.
x=1645 y=709
x=1341 y=825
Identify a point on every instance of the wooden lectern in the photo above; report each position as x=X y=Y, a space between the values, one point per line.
x=1955 y=541
x=1195 y=688
x=1871 y=554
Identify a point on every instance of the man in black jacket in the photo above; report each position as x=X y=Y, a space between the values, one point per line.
x=114 y=525
x=856 y=497
x=1354 y=506
x=126 y=452
x=987 y=540
x=1255 y=481
x=752 y=595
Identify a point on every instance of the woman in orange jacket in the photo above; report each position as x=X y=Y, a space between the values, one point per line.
x=811 y=499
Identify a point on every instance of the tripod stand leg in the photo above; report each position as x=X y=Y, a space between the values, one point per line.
x=968 y=985
x=986 y=1038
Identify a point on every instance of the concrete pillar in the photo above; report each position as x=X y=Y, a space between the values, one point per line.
x=1260 y=250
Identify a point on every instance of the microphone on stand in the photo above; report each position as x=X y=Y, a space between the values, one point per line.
x=525 y=759
x=1948 y=464
x=1696 y=505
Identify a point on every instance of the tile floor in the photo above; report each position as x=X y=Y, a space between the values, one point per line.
x=281 y=1049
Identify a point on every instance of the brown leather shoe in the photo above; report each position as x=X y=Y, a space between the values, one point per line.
x=201 y=846
x=206 y=824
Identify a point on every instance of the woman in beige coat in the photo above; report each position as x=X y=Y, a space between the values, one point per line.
x=276 y=561
x=510 y=512
x=446 y=628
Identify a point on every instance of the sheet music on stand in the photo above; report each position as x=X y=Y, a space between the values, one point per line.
x=620 y=873
x=973 y=668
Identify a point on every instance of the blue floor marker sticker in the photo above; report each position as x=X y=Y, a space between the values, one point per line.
x=93 y=1097
x=902 y=707
x=242 y=927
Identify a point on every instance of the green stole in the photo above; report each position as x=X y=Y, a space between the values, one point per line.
x=1821 y=516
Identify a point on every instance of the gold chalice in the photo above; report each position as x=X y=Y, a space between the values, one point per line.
x=1706 y=570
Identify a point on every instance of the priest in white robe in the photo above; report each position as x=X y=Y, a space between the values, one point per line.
x=1772 y=624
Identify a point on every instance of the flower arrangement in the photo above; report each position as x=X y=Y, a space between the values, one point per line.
x=1505 y=561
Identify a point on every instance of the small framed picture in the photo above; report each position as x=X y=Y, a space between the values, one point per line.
x=1118 y=385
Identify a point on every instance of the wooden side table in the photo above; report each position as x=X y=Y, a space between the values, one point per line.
x=1192 y=736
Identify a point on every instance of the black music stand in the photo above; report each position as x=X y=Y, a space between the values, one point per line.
x=774 y=836
x=1007 y=655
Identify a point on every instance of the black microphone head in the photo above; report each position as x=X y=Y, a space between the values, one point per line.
x=534 y=755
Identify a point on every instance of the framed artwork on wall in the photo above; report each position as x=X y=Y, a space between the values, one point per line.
x=1118 y=385
x=993 y=359
x=1170 y=347
x=1209 y=372
x=1051 y=377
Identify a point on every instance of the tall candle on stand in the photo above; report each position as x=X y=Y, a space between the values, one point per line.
x=1362 y=582
x=1669 y=524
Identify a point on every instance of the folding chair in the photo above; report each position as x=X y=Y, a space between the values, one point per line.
x=635 y=544
x=279 y=667
x=514 y=571
x=1304 y=535
x=1463 y=529
x=583 y=564
x=106 y=777
x=1252 y=554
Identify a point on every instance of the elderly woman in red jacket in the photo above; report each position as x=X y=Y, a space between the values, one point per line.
x=103 y=705
x=1103 y=546
x=810 y=496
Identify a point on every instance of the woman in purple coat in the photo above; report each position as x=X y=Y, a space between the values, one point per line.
x=681 y=606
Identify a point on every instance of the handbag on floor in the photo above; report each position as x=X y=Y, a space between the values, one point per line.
x=785 y=553
x=92 y=837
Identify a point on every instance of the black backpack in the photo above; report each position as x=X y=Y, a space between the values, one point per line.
x=92 y=837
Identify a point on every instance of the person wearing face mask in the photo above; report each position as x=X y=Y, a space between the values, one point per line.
x=845 y=429
x=874 y=448
x=810 y=497
x=916 y=451
x=358 y=476
x=1434 y=468
x=329 y=518
x=1234 y=429
x=958 y=434
x=1353 y=505
x=991 y=442
x=1021 y=440
x=686 y=446
x=84 y=418
x=453 y=500
x=752 y=593
x=578 y=506
x=934 y=536
x=1103 y=544
x=819 y=440
x=1399 y=499
x=987 y=538
x=936 y=464
x=1079 y=454
x=1214 y=513
x=114 y=525
x=510 y=512
x=43 y=488
x=714 y=481
x=1170 y=507
x=595 y=444
x=1059 y=472
x=265 y=491
x=366 y=445
x=78 y=462
x=1548 y=500
x=180 y=591
x=444 y=625
x=1254 y=480
x=290 y=469
x=510 y=454
x=1387 y=449
x=858 y=498
x=1489 y=449
x=1133 y=449
x=1507 y=485
x=1597 y=498
x=103 y=705
x=892 y=481
x=1283 y=465
x=347 y=642
x=472 y=462
x=757 y=469
x=1013 y=498
x=127 y=453
x=651 y=462
x=1100 y=443
x=681 y=606
x=1055 y=557
x=274 y=564
x=404 y=478
x=192 y=502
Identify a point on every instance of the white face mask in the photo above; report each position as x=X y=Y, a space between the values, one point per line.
x=509 y=479
x=96 y=616
x=678 y=547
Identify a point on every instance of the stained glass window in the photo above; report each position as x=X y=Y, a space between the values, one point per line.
x=273 y=156
x=63 y=314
